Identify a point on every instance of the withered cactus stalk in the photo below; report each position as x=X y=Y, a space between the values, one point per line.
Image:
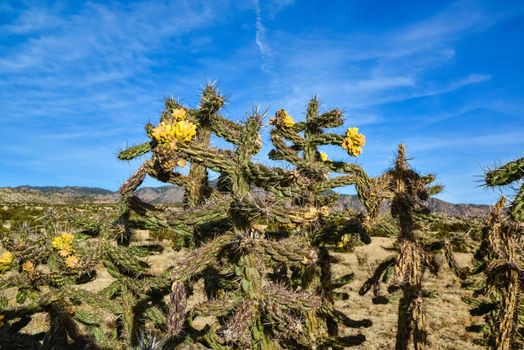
x=408 y=265
x=500 y=260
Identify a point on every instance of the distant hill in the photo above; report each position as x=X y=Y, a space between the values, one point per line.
x=66 y=190
x=175 y=195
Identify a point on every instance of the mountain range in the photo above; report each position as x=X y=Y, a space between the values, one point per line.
x=174 y=195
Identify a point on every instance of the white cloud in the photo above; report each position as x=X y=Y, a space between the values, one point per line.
x=260 y=38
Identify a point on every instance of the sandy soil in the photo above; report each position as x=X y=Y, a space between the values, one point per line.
x=447 y=314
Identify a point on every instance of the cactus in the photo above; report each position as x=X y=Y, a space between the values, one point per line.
x=49 y=266
x=412 y=259
x=299 y=144
x=249 y=242
x=499 y=260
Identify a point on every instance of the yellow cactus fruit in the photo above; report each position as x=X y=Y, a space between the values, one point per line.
x=288 y=120
x=355 y=151
x=6 y=259
x=181 y=163
x=350 y=132
x=258 y=143
x=28 y=267
x=164 y=132
x=178 y=114
x=71 y=261
x=353 y=142
x=282 y=119
x=288 y=227
x=184 y=131
x=64 y=243
x=359 y=140
x=323 y=156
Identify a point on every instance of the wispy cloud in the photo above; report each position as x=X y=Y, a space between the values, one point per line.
x=260 y=38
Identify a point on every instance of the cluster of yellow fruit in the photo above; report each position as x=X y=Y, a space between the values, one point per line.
x=64 y=244
x=323 y=156
x=178 y=128
x=353 y=142
x=288 y=120
x=6 y=259
x=282 y=118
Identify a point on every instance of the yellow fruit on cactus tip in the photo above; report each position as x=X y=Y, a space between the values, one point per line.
x=351 y=132
x=311 y=214
x=288 y=120
x=181 y=163
x=323 y=156
x=353 y=142
x=184 y=131
x=324 y=211
x=259 y=227
x=164 y=132
x=178 y=114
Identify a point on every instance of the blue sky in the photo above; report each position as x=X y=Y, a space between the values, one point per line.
x=78 y=80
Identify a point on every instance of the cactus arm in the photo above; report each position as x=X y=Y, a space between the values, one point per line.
x=211 y=158
x=335 y=182
x=506 y=174
x=327 y=139
x=135 y=151
x=226 y=129
x=331 y=119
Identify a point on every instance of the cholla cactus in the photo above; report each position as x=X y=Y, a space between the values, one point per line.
x=253 y=307
x=299 y=144
x=408 y=265
x=499 y=258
